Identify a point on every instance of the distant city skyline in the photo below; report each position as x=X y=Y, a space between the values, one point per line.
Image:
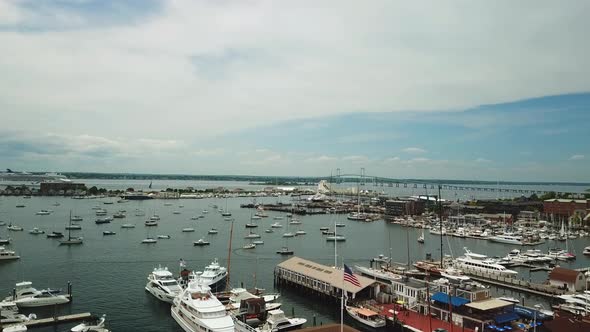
x=491 y=91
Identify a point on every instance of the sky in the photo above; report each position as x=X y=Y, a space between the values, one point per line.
x=475 y=90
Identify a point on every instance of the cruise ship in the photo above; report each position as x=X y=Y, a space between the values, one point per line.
x=196 y=309
x=12 y=176
x=477 y=263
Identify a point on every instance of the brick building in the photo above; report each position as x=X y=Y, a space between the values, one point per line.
x=558 y=209
x=402 y=207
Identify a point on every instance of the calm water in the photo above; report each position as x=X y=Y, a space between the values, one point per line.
x=109 y=273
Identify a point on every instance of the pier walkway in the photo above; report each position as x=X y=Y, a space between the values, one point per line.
x=515 y=284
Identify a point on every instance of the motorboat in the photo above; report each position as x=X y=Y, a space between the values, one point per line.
x=164 y=237
x=162 y=285
x=586 y=251
x=269 y=230
x=108 y=233
x=201 y=242
x=276 y=225
x=127 y=226
x=19 y=327
x=2 y=223
x=149 y=240
x=55 y=235
x=357 y=216
x=277 y=321
x=228 y=218
x=14 y=228
x=295 y=222
x=258 y=242
x=454 y=274
x=285 y=251
x=560 y=254
x=337 y=238
x=196 y=309
x=119 y=215
x=26 y=296
x=155 y=217
x=507 y=238
x=289 y=234
x=249 y=246
x=300 y=232
x=212 y=231
x=251 y=225
x=205 y=211
x=195 y=218
x=77 y=218
x=324 y=229
x=97 y=327
x=151 y=223
x=421 y=237
x=176 y=212
x=6 y=254
x=36 y=231
x=213 y=276
x=20 y=205
x=473 y=262
x=339 y=224
x=381 y=259
x=9 y=314
x=328 y=233
x=103 y=221
x=43 y=213
x=226 y=214
x=100 y=212
x=366 y=316
x=252 y=236
x=188 y=230
x=5 y=241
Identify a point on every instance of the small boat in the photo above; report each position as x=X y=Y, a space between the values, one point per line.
x=295 y=222
x=252 y=236
x=108 y=233
x=55 y=235
x=167 y=204
x=212 y=231
x=71 y=241
x=2 y=223
x=20 y=205
x=340 y=225
x=288 y=234
x=277 y=321
x=176 y=212
x=163 y=236
x=5 y=241
x=77 y=218
x=201 y=242
x=365 y=316
x=256 y=217
x=337 y=238
x=108 y=203
x=155 y=217
x=269 y=230
x=98 y=327
x=43 y=213
x=36 y=231
x=204 y=211
x=181 y=206
x=586 y=251
x=27 y=296
x=249 y=246
x=100 y=221
x=228 y=218
x=300 y=232
x=6 y=254
x=195 y=218
x=421 y=238
x=128 y=226
x=328 y=233
x=251 y=225
x=276 y=225
x=151 y=223
x=188 y=230
x=226 y=214
x=324 y=229
x=119 y=215
x=149 y=240
x=74 y=227
x=285 y=251
x=257 y=242
x=14 y=228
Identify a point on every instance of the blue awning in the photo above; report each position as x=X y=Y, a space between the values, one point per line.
x=506 y=317
x=444 y=298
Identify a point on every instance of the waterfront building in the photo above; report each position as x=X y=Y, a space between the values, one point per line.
x=571 y=280
x=402 y=207
x=560 y=209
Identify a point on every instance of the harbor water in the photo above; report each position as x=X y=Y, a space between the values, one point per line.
x=108 y=273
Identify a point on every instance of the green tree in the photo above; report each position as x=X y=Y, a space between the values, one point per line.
x=93 y=190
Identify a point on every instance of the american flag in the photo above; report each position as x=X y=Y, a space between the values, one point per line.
x=350 y=277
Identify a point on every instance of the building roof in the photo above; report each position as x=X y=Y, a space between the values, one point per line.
x=564 y=200
x=488 y=304
x=444 y=298
x=328 y=274
x=561 y=274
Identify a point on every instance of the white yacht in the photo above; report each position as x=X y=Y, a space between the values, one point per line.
x=366 y=316
x=12 y=227
x=240 y=294
x=27 y=296
x=277 y=321
x=43 y=213
x=162 y=285
x=213 y=276
x=188 y=230
x=149 y=240
x=9 y=314
x=36 y=231
x=196 y=309
x=477 y=263
x=98 y=327
x=252 y=236
x=127 y=226
x=201 y=242
x=586 y=251
x=454 y=274
x=338 y=238
x=276 y=225
x=507 y=238
x=560 y=254
x=6 y=254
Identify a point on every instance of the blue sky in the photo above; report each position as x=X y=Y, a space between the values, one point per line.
x=424 y=90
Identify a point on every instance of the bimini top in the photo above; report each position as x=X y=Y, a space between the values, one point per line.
x=444 y=298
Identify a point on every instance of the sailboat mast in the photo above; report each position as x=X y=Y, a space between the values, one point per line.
x=70 y=228
x=440 y=217
x=231 y=233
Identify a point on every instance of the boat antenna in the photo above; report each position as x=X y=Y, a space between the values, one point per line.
x=440 y=217
x=231 y=233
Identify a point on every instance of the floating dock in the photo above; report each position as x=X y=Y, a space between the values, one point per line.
x=59 y=320
x=515 y=284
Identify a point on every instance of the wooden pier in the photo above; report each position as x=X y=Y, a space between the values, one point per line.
x=59 y=320
x=515 y=284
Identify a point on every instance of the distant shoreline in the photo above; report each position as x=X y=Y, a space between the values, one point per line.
x=299 y=180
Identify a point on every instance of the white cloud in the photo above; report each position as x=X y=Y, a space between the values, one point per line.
x=392 y=159
x=356 y=159
x=577 y=157
x=219 y=65
x=482 y=160
x=321 y=159
x=414 y=150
